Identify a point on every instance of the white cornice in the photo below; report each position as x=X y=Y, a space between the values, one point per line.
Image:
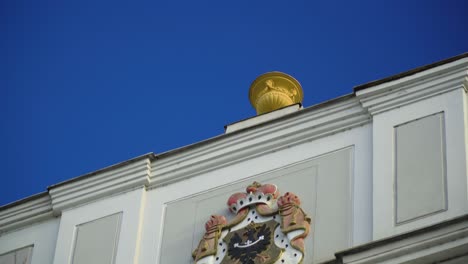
x=425 y=84
x=152 y=171
x=432 y=244
x=116 y=179
x=100 y=185
x=256 y=120
x=305 y=125
x=247 y=142
x=25 y=212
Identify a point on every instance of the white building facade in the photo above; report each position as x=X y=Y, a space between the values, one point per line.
x=382 y=173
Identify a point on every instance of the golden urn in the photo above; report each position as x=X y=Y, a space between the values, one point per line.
x=274 y=90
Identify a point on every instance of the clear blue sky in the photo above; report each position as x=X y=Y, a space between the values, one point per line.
x=86 y=84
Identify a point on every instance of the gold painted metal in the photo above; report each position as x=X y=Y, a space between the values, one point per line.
x=274 y=90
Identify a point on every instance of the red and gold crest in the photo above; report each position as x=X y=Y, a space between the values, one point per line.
x=267 y=229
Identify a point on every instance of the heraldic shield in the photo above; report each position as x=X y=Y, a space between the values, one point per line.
x=267 y=229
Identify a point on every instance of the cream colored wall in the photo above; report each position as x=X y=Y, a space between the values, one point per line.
x=42 y=236
x=19 y=256
x=127 y=205
x=97 y=241
x=331 y=174
x=420 y=168
x=384 y=177
x=322 y=184
x=339 y=157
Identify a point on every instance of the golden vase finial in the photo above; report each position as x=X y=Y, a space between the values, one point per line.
x=274 y=90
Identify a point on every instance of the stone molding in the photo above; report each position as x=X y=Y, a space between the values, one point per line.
x=107 y=182
x=439 y=242
x=322 y=120
x=24 y=212
x=100 y=185
x=152 y=171
x=306 y=125
x=422 y=85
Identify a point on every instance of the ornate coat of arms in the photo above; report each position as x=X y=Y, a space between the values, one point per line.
x=267 y=229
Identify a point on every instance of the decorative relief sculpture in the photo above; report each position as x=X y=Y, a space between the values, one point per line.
x=207 y=245
x=266 y=229
x=294 y=222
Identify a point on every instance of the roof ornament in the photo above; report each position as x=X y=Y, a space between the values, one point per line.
x=267 y=229
x=274 y=90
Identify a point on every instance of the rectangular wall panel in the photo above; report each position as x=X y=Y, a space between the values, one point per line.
x=420 y=168
x=20 y=256
x=322 y=183
x=96 y=241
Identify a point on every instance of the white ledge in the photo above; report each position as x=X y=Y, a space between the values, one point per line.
x=24 y=212
x=422 y=85
x=109 y=181
x=432 y=244
x=305 y=125
x=256 y=120
x=243 y=140
x=100 y=185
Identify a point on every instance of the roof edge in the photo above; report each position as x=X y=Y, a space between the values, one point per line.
x=410 y=234
x=409 y=72
x=149 y=155
x=46 y=193
x=24 y=200
x=279 y=119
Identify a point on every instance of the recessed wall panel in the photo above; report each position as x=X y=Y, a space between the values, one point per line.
x=20 y=256
x=322 y=183
x=420 y=168
x=96 y=241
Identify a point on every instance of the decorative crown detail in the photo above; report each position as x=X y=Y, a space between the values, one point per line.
x=267 y=228
x=255 y=193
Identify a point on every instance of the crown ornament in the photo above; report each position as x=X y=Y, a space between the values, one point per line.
x=267 y=228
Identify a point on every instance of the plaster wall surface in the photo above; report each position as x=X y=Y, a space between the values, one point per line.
x=420 y=168
x=96 y=241
x=321 y=183
x=20 y=256
x=353 y=162
x=127 y=205
x=175 y=213
x=451 y=104
x=42 y=236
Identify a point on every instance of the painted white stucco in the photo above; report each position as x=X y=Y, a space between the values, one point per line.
x=339 y=156
x=42 y=236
